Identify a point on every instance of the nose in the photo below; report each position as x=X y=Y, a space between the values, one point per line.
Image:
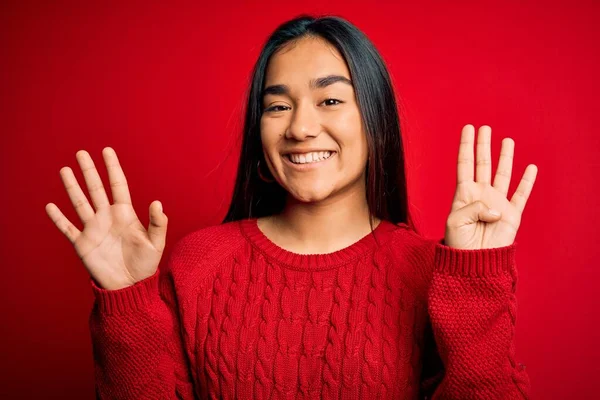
x=304 y=124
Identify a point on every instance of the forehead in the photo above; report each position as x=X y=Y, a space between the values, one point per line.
x=303 y=60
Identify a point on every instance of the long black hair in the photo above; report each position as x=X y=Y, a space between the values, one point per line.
x=385 y=176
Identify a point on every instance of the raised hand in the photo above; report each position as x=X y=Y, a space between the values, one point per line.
x=471 y=224
x=114 y=246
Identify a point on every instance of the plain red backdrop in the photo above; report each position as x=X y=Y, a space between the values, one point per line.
x=164 y=85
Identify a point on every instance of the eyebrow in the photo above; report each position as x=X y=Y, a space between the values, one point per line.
x=318 y=83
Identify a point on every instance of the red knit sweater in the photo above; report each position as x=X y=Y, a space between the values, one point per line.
x=393 y=316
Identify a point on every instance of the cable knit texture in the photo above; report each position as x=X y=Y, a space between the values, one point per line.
x=232 y=315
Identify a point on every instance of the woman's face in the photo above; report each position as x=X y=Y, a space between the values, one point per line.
x=311 y=129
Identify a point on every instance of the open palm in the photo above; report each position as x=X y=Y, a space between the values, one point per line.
x=114 y=246
x=470 y=224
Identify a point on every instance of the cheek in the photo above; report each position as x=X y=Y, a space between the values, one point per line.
x=351 y=134
x=269 y=135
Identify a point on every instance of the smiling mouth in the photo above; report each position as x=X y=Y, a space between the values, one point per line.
x=309 y=158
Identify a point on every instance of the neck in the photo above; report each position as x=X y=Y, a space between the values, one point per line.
x=323 y=227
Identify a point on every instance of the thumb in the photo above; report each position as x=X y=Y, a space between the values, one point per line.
x=157 y=228
x=477 y=211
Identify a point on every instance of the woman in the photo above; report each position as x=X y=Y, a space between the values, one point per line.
x=316 y=285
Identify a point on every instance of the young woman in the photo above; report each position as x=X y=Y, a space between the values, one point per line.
x=316 y=285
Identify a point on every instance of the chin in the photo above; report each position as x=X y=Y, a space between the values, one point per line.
x=310 y=195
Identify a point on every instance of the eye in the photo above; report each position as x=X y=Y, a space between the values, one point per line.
x=332 y=102
x=276 y=108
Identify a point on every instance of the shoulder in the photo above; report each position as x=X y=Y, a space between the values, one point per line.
x=407 y=242
x=198 y=253
x=209 y=241
x=413 y=257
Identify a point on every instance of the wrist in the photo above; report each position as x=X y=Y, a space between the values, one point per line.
x=128 y=298
x=474 y=262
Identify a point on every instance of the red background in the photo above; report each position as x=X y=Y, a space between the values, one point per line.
x=164 y=86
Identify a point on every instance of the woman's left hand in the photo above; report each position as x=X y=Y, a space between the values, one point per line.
x=470 y=224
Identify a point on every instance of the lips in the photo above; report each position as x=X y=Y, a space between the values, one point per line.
x=310 y=160
x=306 y=151
x=311 y=157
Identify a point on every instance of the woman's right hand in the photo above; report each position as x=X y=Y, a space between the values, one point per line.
x=114 y=246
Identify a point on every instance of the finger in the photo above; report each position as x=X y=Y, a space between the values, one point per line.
x=62 y=223
x=92 y=180
x=80 y=202
x=157 y=227
x=118 y=183
x=465 y=155
x=483 y=170
x=521 y=195
x=472 y=213
x=504 y=171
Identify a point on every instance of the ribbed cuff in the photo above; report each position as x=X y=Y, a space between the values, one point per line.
x=128 y=299
x=481 y=262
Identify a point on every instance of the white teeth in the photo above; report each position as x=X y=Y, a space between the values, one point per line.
x=309 y=157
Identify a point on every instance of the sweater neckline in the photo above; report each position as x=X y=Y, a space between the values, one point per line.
x=315 y=262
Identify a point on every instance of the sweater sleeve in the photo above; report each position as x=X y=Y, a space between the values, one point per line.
x=138 y=352
x=470 y=350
